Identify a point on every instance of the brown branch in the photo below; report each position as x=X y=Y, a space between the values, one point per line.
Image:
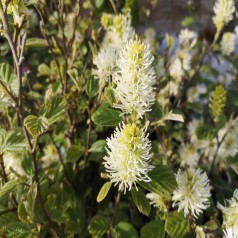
x=61 y=161
x=43 y=31
x=8 y=93
x=4 y=175
x=219 y=143
x=117 y=202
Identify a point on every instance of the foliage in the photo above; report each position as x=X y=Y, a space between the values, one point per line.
x=97 y=120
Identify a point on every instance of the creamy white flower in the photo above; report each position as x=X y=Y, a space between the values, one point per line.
x=176 y=69
x=12 y=163
x=105 y=62
x=135 y=79
x=187 y=38
x=118 y=29
x=157 y=201
x=128 y=156
x=163 y=98
x=230 y=212
x=193 y=93
x=185 y=57
x=223 y=10
x=200 y=233
x=228 y=43
x=192 y=127
x=189 y=155
x=193 y=192
x=230 y=143
x=180 y=64
x=229 y=146
x=225 y=70
x=231 y=232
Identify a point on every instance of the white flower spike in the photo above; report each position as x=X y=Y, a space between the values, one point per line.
x=193 y=192
x=105 y=61
x=223 y=10
x=230 y=212
x=157 y=201
x=231 y=232
x=135 y=79
x=228 y=43
x=189 y=155
x=128 y=156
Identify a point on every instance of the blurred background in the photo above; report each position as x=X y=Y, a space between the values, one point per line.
x=169 y=16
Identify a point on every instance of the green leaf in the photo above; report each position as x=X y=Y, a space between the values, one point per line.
x=22 y=213
x=104 y=191
x=72 y=227
x=97 y=151
x=98 y=225
x=156 y=111
x=30 y=202
x=173 y=117
x=7 y=77
x=99 y=3
x=36 y=42
x=169 y=117
x=54 y=108
x=36 y=125
x=170 y=42
x=205 y=131
x=74 y=153
x=141 y=201
x=232 y=159
x=153 y=229
x=109 y=94
x=98 y=146
x=106 y=116
x=233 y=162
x=12 y=141
x=176 y=225
x=73 y=74
x=44 y=70
x=195 y=106
x=6 y=73
x=163 y=181
x=125 y=230
x=217 y=102
x=16 y=229
x=187 y=21
x=7 y=189
x=92 y=87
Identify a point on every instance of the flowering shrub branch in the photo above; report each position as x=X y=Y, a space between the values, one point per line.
x=107 y=131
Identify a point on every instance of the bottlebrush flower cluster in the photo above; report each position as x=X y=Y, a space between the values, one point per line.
x=128 y=156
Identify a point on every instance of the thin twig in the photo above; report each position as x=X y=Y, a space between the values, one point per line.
x=7 y=92
x=4 y=175
x=61 y=160
x=117 y=202
x=71 y=41
x=219 y=143
x=43 y=31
